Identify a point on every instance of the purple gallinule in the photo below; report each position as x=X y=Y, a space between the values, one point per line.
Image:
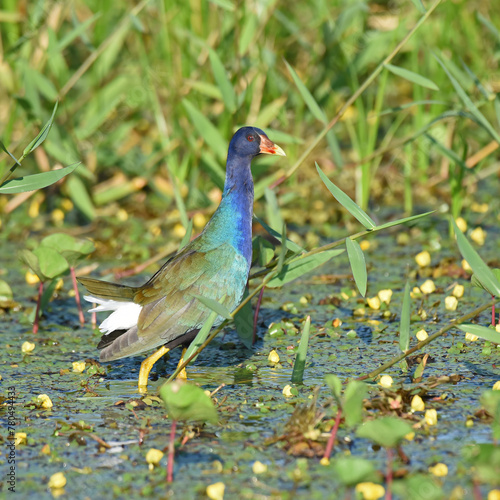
x=164 y=312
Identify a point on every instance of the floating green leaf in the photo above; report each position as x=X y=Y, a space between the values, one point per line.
x=35 y=181
x=188 y=402
x=404 y=324
x=412 y=77
x=352 y=470
x=358 y=264
x=481 y=270
x=346 y=202
x=300 y=360
x=385 y=431
x=301 y=266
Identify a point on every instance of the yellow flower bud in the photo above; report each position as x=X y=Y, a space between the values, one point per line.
x=423 y=259
x=27 y=347
x=259 y=467
x=462 y=224
x=386 y=381
x=421 y=335
x=373 y=303
x=216 y=491
x=385 y=296
x=451 y=303
x=439 y=470
x=57 y=480
x=458 y=291
x=79 y=366
x=45 y=401
x=431 y=417
x=417 y=403
x=273 y=357
x=478 y=236
x=428 y=286
x=153 y=457
x=370 y=491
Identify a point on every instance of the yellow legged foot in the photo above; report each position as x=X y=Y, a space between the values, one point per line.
x=146 y=366
x=182 y=374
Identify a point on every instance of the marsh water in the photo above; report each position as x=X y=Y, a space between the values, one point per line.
x=100 y=428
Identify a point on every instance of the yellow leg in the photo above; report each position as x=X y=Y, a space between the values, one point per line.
x=146 y=366
x=182 y=374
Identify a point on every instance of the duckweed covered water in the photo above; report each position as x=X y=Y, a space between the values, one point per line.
x=99 y=428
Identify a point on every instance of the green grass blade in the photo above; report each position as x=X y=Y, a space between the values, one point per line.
x=282 y=255
x=468 y=103
x=358 y=264
x=482 y=332
x=307 y=96
x=201 y=336
x=301 y=266
x=300 y=360
x=354 y=209
x=243 y=322
x=187 y=236
x=412 y=76
x=206 y=129
x=404 y=325
x=42 y=135
x=216 y=306
x=35 y=181
x=419 y=6
x=223 y=81
x=273 y=210
x=483 y=273
x=80 y=196
x=289 y=243
x=403 y=221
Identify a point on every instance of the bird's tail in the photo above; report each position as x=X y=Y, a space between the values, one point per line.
x=109 y=291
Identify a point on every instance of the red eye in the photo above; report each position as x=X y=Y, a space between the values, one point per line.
x=250 y=138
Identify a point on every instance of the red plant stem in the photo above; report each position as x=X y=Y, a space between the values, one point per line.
x=476 y=490
x=171 y=453
x=77 y=296
x=493 y=311
x=333 y=435
x=38 y=302
x=256 y=315
x=388 y=477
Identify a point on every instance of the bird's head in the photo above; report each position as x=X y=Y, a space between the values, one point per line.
x=251 y=141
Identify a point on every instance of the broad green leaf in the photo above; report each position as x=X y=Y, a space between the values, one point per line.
x=402 y=221
x=335 y=385
x=201 y=336
x=353 y=470
x=42 y=135
x=223 y=81
x=411 y=76
x=481 y=270
x=52 y=263
x=300 y=360
x=47 y=294
x=220 y=309
x=468 y=103
x=307 y=96
x=35 y=181
x=289 y=243
x=354 y=394
x=72 y=249
x=185 y=401
x=385 y=431
x=31 y=260
x=5 y=291
x=358 y=264
x=301 y=266
x=483 y=332
x=346 y=202
x=206 y=129
x=243 y=321
x=80 y=196
x=404 y=324
x=45 y=86
x=477 y=283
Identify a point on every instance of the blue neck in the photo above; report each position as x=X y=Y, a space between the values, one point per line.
x=232 y=221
